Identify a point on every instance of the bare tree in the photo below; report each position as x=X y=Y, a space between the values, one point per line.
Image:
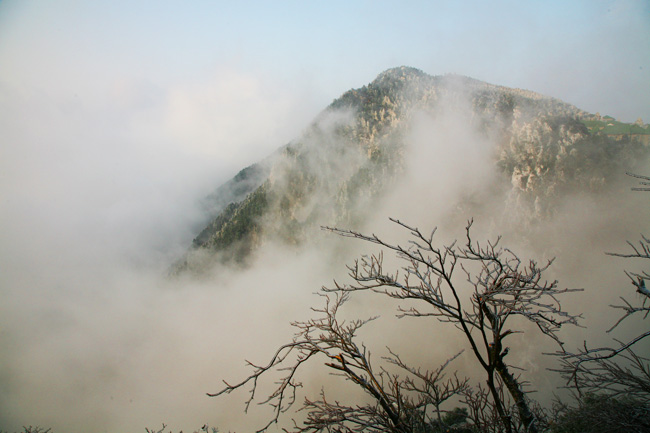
x=500 y=287
x=618 y=370
x=495 y=286
x=482 y=408
x=398 y=405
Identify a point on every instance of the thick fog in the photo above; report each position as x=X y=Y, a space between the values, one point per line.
x=95 y=337
x=98 y=198
x=117 y=120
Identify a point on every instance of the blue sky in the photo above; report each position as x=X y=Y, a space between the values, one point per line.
x=189 y=78
x=591 y=53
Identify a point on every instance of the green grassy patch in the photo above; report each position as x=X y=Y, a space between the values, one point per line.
x=609 y=126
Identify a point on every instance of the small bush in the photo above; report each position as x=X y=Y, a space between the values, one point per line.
x=600 y=413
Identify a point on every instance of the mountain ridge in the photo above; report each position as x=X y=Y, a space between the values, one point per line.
x=354 y=151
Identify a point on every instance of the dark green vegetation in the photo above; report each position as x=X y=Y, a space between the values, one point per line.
x=355 y=153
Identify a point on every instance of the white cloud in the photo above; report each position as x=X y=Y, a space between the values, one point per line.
x=241 y=117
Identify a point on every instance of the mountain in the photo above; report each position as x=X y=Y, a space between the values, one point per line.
x=360 y=147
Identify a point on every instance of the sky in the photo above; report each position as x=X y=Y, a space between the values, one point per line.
x=185 y=80
x=118 y=117
x=183 y=65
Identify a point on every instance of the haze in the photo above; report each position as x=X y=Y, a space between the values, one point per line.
x=118 y=118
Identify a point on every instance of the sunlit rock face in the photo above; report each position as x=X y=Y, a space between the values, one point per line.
x=407 y=126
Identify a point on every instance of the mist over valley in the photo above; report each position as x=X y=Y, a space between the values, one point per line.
x=177 y=202
x=430 y=151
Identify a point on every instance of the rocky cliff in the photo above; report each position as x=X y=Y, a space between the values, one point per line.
x=354 y=153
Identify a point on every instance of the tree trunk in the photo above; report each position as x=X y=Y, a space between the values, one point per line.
x=518 y=395
x=505 y=419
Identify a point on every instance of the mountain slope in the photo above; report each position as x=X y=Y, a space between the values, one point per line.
x=358 y=148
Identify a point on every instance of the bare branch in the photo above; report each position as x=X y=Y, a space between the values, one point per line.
x=617 y=370
x=645 y=181
x=502 y=286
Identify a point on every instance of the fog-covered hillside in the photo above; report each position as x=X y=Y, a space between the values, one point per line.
x=536 y=149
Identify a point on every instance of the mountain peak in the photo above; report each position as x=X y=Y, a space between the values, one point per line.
x=400 y=72
x=337 y=174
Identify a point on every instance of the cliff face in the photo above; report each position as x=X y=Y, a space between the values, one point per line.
x=355 y=151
